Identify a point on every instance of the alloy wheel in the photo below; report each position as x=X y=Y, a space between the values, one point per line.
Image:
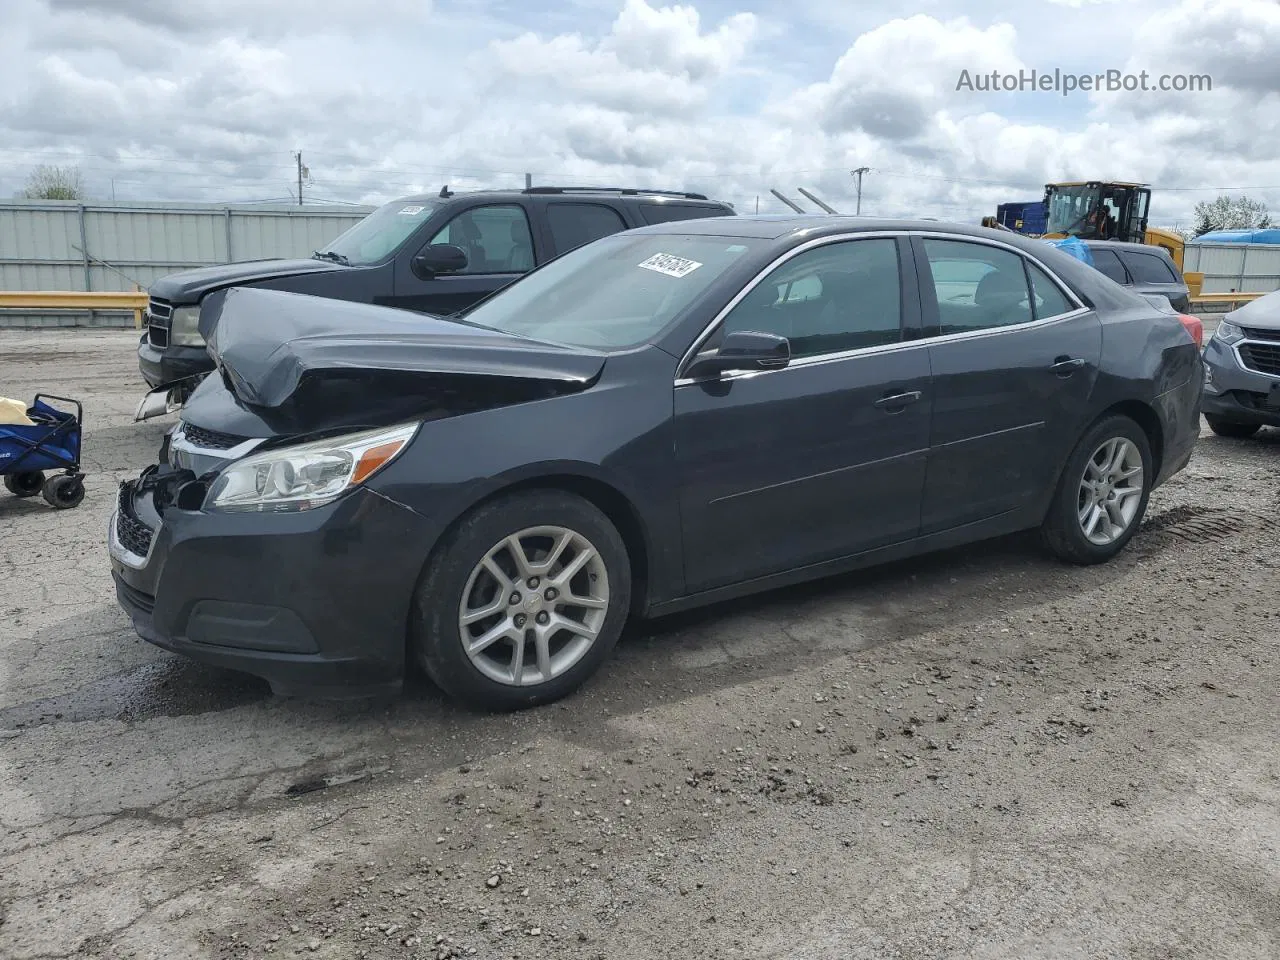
x=1110 y=491
x=534 y=605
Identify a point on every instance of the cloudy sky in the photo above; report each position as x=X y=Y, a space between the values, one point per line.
x=208 y=99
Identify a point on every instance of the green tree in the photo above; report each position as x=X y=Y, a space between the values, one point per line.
x=1230 y=213
x=53 y=183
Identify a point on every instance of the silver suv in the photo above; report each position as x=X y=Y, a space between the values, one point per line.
x=1242 y=370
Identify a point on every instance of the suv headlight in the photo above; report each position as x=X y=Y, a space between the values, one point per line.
x=1228 y=333
x=306 y=475
x=184 y=327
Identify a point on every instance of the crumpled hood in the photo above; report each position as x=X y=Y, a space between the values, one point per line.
x=1263 y=313
x=188 y=286
x=270 y=345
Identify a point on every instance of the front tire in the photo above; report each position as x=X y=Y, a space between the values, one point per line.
x=522 y=601
x=1102 y=494
x=1231 y=428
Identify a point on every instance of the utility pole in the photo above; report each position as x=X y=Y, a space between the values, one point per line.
x=298 y=157
x=858 y=173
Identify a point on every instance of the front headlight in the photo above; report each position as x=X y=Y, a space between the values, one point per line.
x=1228 y=333
x=184 y=327
x=307 y=475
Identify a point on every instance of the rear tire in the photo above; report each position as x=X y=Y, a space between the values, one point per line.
x=24 y=484
x=1231 y=428
x=64 y=492
x=1102 y=494
x=497 y=630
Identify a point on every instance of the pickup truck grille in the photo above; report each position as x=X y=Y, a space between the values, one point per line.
x=134 y=535
x=1262 y=357
x=159 y=312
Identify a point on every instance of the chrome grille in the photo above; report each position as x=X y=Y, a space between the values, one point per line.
x=134 y=535
x=1262 y=357
x=159 y=313
x=209 y=439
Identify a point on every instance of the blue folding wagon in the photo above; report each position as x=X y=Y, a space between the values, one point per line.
x=50 y=445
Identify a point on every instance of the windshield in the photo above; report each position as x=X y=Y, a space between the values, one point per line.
x=1069 y=209
x=614 y=293
x=379 y=234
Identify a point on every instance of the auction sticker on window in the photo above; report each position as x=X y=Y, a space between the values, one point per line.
x=670 y=265
x=410 y=211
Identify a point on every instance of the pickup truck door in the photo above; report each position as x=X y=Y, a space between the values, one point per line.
x=500 y=244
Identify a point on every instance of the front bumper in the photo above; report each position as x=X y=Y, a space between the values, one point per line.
x=163 y=366
x=315 y=602
x=1236 y=393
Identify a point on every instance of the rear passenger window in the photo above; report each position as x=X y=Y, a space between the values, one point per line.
x=838 y=297
x=667 y=212
x=978 y=287
x=1050 y=300
x=575 y=224
x=1109 y=264
x=1147 y=268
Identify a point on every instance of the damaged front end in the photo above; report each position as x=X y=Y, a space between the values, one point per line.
x=296 y=365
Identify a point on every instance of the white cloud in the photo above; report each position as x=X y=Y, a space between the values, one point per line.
x=389 y=96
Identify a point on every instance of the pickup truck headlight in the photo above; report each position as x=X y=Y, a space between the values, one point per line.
x=1228 y=333
x=307 y=475
x=184 y=327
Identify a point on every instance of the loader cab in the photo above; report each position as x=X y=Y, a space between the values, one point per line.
x=1095 y=210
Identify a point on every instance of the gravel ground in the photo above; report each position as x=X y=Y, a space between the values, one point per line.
x=980 y=754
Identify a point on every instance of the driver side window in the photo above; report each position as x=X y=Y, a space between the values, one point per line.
x=495 y=238
x=837 y=297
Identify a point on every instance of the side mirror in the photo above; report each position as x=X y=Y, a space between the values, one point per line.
x=742 y=350
x=436 y=258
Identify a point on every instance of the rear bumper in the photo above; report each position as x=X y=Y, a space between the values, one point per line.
x=316 y=603
x=1179 y=413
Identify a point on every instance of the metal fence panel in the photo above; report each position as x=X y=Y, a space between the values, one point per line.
x=1235 y=267
x=64 y=245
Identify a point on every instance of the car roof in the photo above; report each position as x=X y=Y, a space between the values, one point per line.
x=795 y=226
x=639 y=193
x=788 y=230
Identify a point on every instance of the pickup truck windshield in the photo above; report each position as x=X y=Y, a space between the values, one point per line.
x=379 y=234
x=615 y=293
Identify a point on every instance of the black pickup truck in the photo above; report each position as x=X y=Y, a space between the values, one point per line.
x=435 y=254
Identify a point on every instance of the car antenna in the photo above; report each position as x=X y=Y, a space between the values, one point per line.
x=444 y=191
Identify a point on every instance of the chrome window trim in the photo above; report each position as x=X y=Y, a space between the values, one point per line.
x=1080 y=307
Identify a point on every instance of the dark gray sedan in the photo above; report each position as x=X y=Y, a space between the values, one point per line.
x=661 y=419
x=1242 y=370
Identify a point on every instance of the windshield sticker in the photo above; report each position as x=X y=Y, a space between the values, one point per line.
x=411 y=211
x=671 y=266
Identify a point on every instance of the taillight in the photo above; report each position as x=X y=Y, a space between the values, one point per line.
x=1194 y=327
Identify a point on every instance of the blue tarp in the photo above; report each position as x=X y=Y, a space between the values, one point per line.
x=1239 y=236
x=1075 y=247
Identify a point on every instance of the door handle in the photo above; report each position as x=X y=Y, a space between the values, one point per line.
x=1066 y=366
x=896 y=401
